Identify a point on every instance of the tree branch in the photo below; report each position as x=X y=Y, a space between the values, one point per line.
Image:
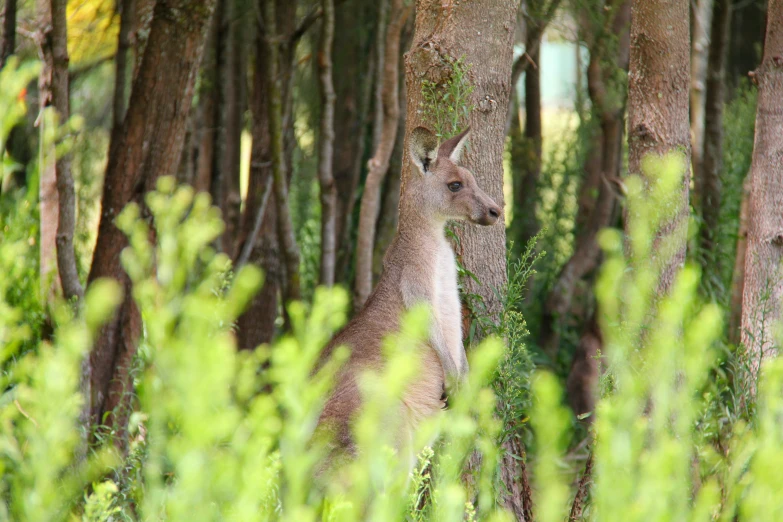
x=577 y=508
x=259 y=220
x=310 y=18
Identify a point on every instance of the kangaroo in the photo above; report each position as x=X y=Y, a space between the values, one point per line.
x=419 y=266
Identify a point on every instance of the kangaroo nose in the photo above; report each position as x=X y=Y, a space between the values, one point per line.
x=491 y=216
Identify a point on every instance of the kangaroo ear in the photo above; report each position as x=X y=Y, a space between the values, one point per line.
x=422 y=146
x=453 y=147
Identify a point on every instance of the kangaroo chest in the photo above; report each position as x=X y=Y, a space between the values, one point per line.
x=446 y=306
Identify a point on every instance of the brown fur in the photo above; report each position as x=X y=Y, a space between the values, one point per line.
x=419 y=266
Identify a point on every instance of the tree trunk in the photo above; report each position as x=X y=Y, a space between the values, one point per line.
x=747 y=40
x=701 y=23
x=379 y=163
x=47 y=191
x=353 y=83
x=658 y=87
x=234 y=115
x=602 y=70
x=763 y=290
x=278 y=154
x=125 y=10
x=257 y=324
x=389 y=213
x=738 y=275
x=525 y=223
x=326 y=148
x=150 y=145
x=443 y=35
x=481 y=35
x=8 y=43
x=710 y=183
x=218 y=177
x=206 y=114
x=58 y=201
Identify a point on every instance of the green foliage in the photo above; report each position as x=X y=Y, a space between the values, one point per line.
x=447 y=105
x=42 y=475
x=19 y=226
x=14 y=78
x=658 y=355
x=739 y=121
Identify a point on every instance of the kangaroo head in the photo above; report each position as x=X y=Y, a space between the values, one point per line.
x=442 y=188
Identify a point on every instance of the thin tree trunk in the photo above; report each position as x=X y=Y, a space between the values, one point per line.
x=326 y=150
x=125 y=10
x=710 y=190
x=701 y=23
x=763 y=290
x=379 y=163
x=8 y=43
x=354 y=64
x=525 y=224
x=58 y=217
x=279 y=165
x=534 y=29
x=658 y=87
x=746 y=40
x=150 y=145
x=583 y=376
x=610 y=110
x=380 y=58
x=257 y=324
x=389 y=213
x=47 y=191
x=236 y=101
x=738 y=275
x=218 y=181
x=481 y=35
x=206 y=113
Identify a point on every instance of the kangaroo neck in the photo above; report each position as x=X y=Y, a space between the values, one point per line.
x=417 y=228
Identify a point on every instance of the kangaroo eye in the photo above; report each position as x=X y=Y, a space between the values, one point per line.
x=455 y=186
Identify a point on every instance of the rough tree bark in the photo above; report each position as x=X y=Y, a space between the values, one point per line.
x=482 y=35
x=58 y=201
x=658 y=87
x=8 y=42
x=763 y=290
x=712 y=157
x=608 y=57
x=275 y=103
x=150 y=145
x=379 y=163
x=701 y=23
x=326 y=148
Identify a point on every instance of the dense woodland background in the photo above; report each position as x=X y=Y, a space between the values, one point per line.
x=293 y=114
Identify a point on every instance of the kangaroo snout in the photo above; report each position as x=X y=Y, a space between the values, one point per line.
x=489 y=213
